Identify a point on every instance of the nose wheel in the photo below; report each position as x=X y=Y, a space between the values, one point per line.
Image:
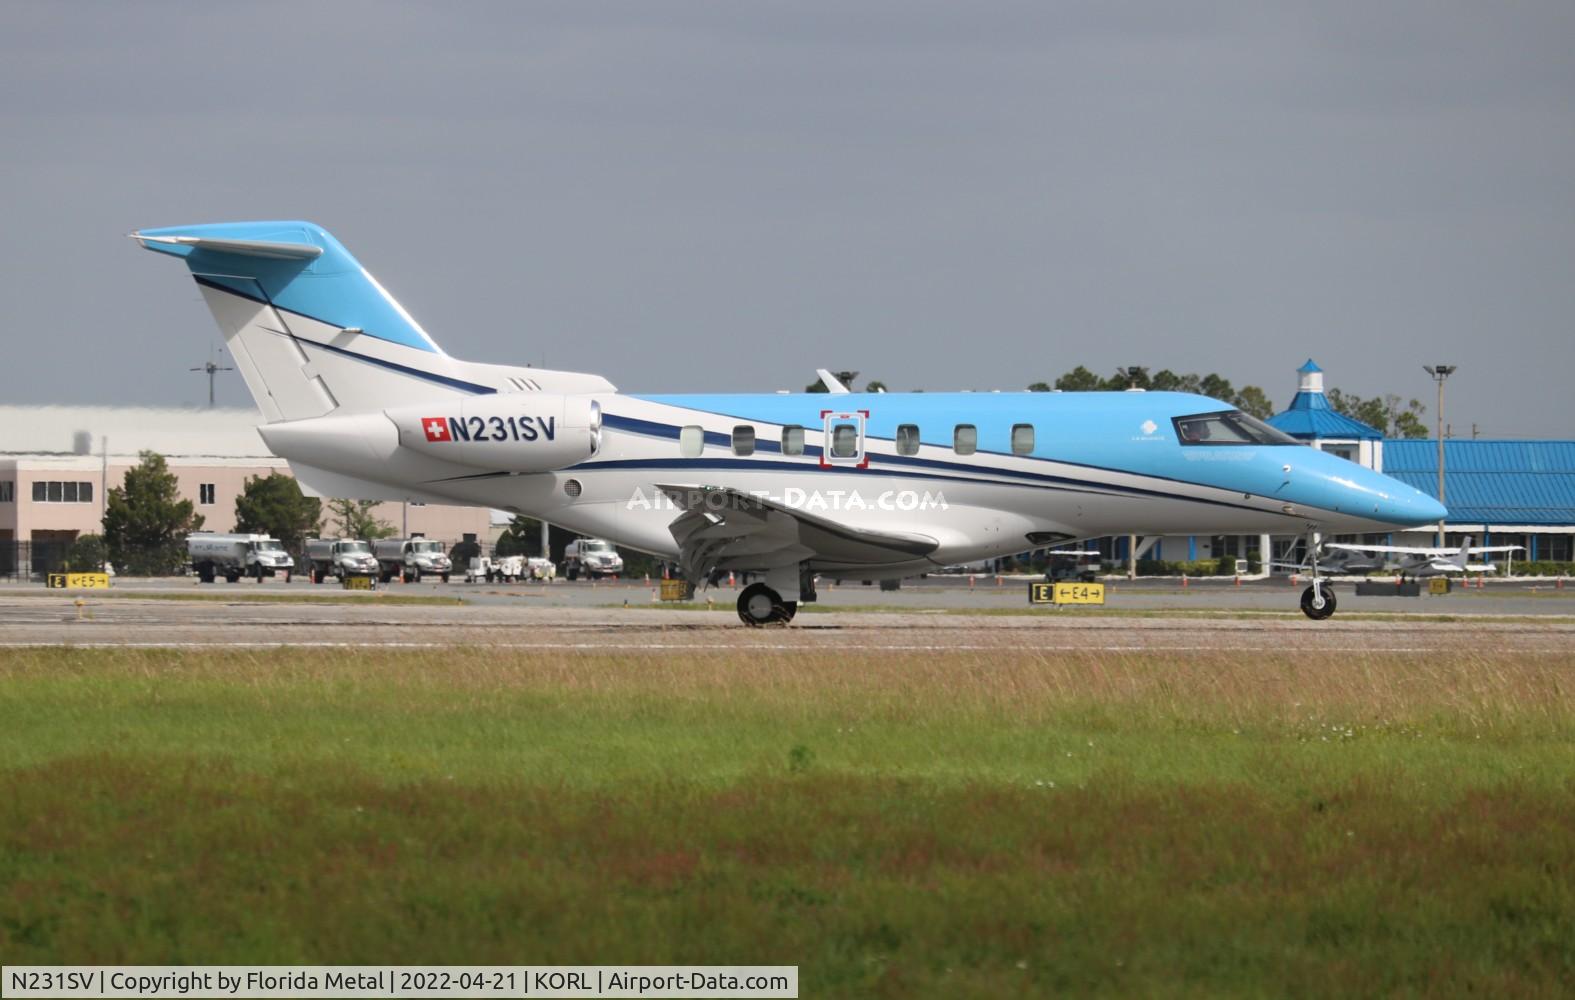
x=1318 y=603
x=760 y=605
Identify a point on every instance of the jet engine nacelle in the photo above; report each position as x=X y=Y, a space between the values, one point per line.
x=508 y=432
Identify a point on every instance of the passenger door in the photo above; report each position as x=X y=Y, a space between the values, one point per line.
x=844 y=441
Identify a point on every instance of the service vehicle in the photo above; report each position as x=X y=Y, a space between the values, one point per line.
x=1072 y=565
x=234 y=556
x=540 y=568
x=591 y=557
x=340 y=558
x=410 y=559
x=496 y=569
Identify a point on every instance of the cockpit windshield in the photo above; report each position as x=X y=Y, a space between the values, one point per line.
x=1228 y=427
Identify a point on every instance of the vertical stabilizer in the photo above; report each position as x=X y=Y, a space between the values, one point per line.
x=310 y=330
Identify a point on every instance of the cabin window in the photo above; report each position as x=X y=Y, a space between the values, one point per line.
x=792 y=440
x=844 y=440
x=1022 y=439
x=965 y=439
x=691 y=440
x=907 y=439
x=744 y=439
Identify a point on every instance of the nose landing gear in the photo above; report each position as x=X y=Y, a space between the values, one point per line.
x=759 y=605
x=1318 y=600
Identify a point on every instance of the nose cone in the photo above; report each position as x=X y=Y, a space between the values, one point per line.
x=1355 y=498
x=1411 y=506
x=1395 y=503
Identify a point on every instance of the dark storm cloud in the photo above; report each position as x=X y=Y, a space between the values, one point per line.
x=730 y=195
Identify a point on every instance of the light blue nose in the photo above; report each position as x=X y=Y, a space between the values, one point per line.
x=1397 y=503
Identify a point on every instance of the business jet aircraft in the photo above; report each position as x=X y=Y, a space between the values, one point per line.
x=362 y=403
x=1414 y=561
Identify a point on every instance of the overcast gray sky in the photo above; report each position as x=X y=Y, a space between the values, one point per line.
x=692 y=197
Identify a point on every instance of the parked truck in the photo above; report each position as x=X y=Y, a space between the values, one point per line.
x=591 y=557
x=410 y=559
x=234 y=556
x=340 y=558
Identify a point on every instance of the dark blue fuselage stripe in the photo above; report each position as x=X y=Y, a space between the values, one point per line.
x=453 y=383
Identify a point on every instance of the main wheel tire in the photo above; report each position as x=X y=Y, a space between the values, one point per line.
x=1310 y=607
x=759 y=605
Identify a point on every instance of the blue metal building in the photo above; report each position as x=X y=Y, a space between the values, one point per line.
x=1506 y=492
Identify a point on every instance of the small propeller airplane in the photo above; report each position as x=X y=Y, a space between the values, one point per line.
x=1413 y=561
x=362 y=403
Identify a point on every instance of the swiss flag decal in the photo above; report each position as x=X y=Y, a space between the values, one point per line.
x=436 y=428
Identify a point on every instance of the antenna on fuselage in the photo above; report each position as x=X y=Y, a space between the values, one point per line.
x=832 y=383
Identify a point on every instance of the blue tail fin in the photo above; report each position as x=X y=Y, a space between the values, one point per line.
x=294 y=266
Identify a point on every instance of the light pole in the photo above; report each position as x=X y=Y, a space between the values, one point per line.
x=1440 y=373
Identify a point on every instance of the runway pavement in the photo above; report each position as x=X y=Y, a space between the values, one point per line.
x=44 y=619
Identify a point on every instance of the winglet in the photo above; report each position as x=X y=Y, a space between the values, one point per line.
x=831 y=382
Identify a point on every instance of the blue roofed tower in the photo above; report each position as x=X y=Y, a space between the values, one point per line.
x=1310 y=418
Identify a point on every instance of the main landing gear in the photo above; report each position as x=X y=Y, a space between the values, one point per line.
x=1318 y=600
x=758 y=605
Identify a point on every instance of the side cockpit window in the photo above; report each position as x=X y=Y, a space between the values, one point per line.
x=1228 y=427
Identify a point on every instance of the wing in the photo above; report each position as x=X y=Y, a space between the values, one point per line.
x=722 y=528
x=1401 y=550
x=1495 y=548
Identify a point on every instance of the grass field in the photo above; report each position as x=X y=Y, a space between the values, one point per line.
x=955 y=825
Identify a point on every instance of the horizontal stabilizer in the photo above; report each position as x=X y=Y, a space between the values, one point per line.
x=242 y=248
